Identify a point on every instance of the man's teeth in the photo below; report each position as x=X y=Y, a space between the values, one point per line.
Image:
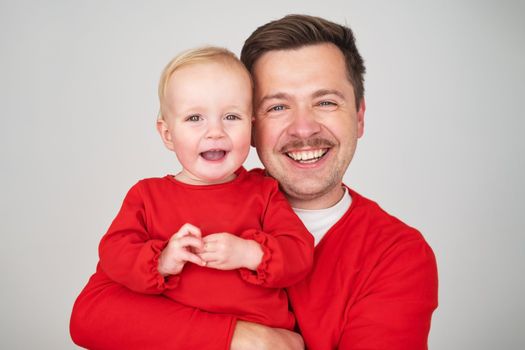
x=305 y=156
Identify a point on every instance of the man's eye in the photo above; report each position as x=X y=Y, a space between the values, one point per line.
x=232 y=117
x=327 y=103
x=277 y=108
x=193 y=118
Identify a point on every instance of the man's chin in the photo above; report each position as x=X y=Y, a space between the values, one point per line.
x=306 y=190
x=303 y=188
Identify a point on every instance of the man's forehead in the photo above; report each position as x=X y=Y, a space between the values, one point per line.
x=305 y=73
x=314 y=61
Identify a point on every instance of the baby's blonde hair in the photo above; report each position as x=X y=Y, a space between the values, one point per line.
x=193 y=56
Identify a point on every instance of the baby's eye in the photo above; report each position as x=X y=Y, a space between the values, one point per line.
x=193 y=118
x=232 y=117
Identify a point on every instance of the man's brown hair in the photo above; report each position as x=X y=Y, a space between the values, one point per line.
x=296 y=31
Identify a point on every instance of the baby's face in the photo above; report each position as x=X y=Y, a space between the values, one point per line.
x=208 y=114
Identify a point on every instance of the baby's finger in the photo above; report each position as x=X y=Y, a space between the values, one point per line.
x=187 y=256
x=189 y=230
x=189 y=241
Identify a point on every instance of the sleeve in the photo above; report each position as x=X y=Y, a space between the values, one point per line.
x=113 y=317
x=397 y=304
x=288 y=247
x=127 y=253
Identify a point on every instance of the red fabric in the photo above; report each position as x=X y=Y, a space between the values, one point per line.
x=250 y=206
x=109 y=316
x=373 y=285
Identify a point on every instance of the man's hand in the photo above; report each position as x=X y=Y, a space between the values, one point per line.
x=253 y=336
x=180 y=250
x=224 y=251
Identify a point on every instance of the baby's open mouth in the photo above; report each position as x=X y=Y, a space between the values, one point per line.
x=213 y=155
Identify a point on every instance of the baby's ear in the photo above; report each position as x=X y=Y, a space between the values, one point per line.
x=162 y=128
x=252 y=140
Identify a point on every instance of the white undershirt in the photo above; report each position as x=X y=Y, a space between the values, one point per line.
x=319 y=221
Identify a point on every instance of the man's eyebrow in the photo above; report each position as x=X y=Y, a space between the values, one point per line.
x=318 y=93
x=276 y=96
x=324 y=92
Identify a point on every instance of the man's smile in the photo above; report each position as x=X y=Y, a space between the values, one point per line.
x=307 y=151
x=307 y=156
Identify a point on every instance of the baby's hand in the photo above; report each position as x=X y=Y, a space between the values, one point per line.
x=179 y=250
x=224 y=251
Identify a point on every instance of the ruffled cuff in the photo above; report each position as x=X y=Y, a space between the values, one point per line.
x=162 y=283
x=261 y=274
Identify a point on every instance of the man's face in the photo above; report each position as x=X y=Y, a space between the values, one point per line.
x=306 y=122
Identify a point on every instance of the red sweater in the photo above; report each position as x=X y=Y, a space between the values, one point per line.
x=373 y=286
x=251 y=206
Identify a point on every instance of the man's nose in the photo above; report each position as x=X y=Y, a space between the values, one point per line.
x=303 y=124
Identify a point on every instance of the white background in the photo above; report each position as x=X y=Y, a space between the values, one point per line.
x=442 y=150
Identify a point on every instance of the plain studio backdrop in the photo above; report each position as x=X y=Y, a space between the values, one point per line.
x=443 y=147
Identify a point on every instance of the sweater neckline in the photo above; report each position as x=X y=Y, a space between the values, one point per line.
x=320 y=221
x=356 y=199
x=240 y=174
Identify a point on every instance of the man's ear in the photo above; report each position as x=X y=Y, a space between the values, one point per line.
x=165 y=135
x=361 y=118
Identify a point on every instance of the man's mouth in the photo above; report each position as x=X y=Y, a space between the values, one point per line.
x=213 y=155
x=307 y=156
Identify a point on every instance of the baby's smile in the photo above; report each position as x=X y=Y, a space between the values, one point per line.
x=213 y=155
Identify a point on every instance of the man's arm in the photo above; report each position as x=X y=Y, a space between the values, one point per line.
x=107 y=315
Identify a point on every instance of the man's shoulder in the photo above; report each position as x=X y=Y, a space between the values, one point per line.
x=373 y=237
x=369 y=219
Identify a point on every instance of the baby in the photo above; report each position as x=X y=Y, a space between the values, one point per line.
x=215 y=236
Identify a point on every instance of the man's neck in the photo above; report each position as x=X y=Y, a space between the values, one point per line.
x=324 y=201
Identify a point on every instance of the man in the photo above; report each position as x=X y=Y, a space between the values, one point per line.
x=374 y=281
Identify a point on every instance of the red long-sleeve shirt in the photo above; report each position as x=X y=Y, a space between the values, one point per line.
x=373 y=286
x=251 y=206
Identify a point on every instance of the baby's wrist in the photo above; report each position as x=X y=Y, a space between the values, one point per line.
x=161 y=266
x=254 y=255
x=161 y=270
